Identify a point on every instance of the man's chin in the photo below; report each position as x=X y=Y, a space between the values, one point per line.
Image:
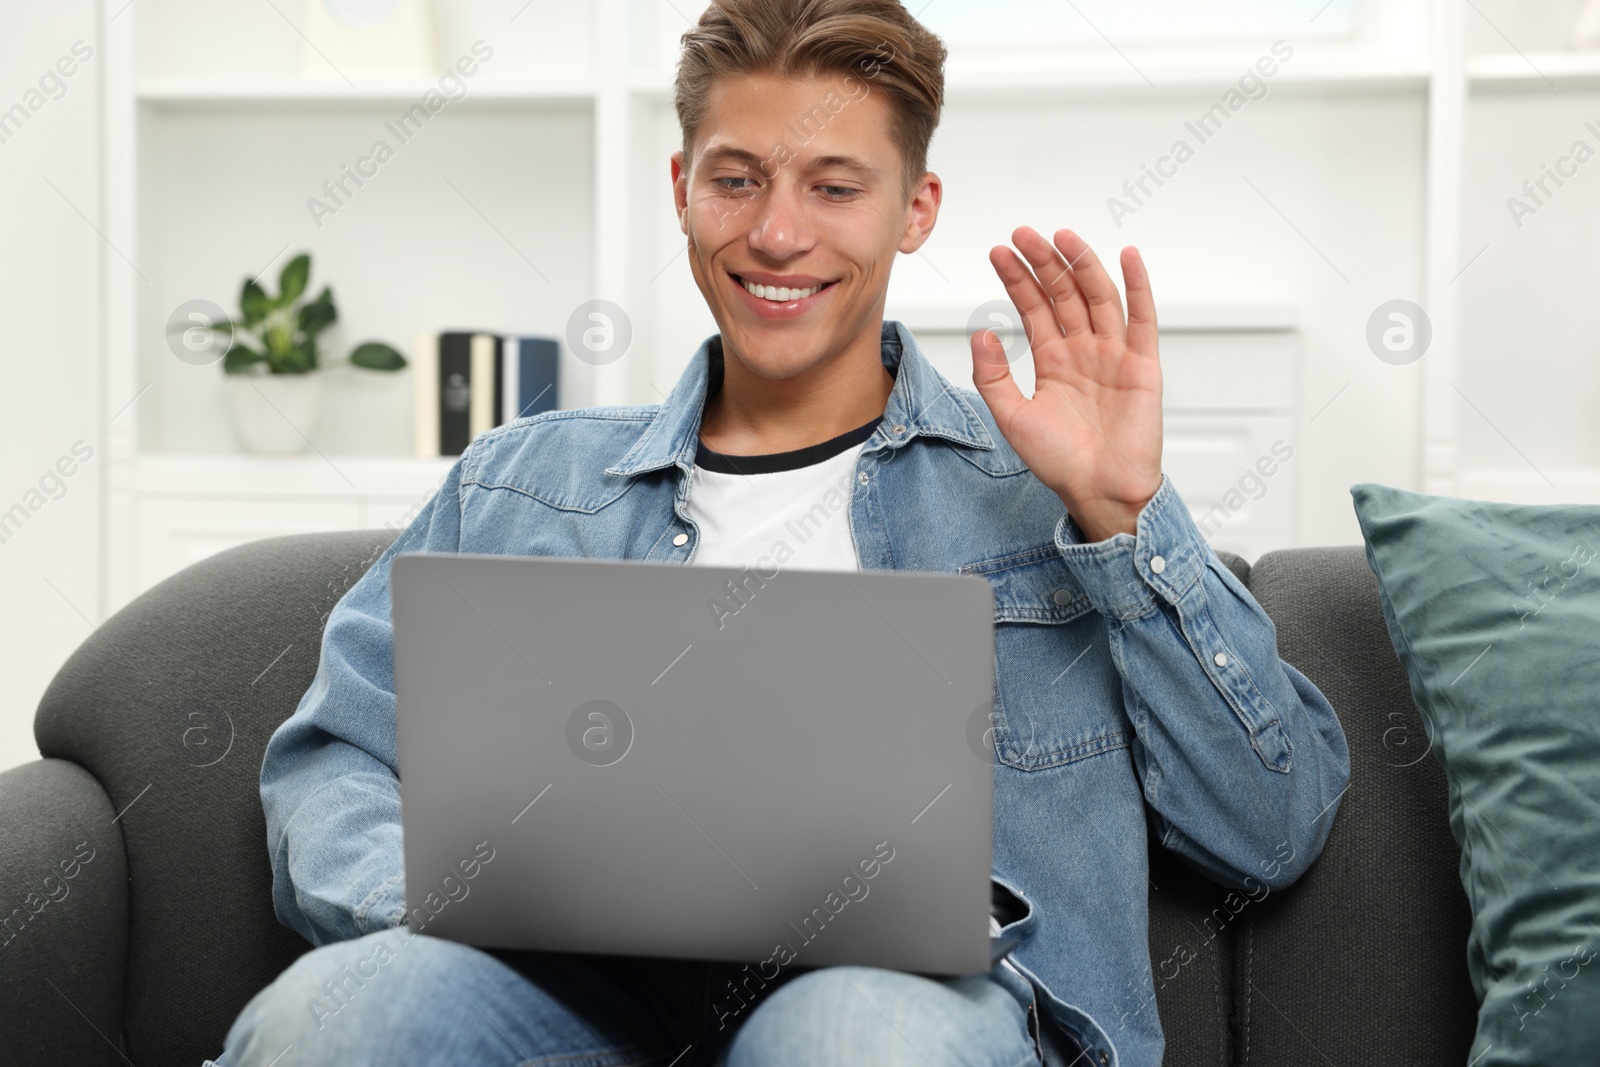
x=773 y=353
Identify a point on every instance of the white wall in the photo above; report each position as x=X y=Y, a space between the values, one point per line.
x=50 y=263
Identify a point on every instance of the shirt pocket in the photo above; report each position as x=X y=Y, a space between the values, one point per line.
x=1058 y=696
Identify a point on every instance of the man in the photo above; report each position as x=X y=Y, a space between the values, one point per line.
x=1138 y=686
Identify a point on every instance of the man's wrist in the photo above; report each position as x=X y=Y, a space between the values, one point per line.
x=1125 y=576
x=1100 y=521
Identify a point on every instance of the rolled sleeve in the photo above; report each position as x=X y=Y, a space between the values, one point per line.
x=1241 y=758
x=1124 y=574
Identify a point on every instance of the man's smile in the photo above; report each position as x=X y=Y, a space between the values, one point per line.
x=780 y=296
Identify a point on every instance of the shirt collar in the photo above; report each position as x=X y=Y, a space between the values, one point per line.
x=921 y=402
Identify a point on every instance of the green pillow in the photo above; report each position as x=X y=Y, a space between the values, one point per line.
x=1494 y=611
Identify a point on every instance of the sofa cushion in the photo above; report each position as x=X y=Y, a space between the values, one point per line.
x=1361 y=960
x=169 y=704
x=1494 y=609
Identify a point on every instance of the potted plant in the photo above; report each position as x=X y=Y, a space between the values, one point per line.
x=271 y=363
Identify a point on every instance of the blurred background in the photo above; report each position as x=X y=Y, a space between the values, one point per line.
x=1371 y=228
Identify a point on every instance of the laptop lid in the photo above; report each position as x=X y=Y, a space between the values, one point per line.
x=700 y=762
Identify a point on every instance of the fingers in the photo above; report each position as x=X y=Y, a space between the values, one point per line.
x=1141 y=303
x=1038 y=316
x=1105 y=306
x=991 y=373
x=1070 y=308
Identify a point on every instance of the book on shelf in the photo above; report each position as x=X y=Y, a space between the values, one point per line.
x=466 y=382
x=530 y=376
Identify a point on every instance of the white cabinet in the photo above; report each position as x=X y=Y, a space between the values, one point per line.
x=1237 y=474
x=180 y=509
x=172 y=533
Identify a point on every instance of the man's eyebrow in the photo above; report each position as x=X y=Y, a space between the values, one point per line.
x=861 y=166
x=730 y=154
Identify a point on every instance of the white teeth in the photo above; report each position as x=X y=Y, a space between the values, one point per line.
x=780 y=294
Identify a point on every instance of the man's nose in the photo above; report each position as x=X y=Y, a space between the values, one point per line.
x=782 y=228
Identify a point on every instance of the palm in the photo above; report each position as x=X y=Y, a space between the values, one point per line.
x=1092 y=429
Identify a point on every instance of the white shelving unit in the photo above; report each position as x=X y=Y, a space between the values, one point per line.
x=545 y=186
x=214 y=140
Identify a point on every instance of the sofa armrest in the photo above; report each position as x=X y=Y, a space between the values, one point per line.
x=63 y=917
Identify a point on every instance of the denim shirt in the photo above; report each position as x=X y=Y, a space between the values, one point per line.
x=1138 y=688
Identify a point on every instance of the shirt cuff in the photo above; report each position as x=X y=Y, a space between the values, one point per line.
x=1124 y=574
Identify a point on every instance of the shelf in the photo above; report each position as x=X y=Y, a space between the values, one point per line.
x=243 y=476
x=191 y=92
x=1535 y=70
x=1077 y=76
x=1176 y=76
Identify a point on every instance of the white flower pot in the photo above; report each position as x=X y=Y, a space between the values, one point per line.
x=274 y=414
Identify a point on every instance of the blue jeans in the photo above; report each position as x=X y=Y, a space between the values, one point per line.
x=394 y=997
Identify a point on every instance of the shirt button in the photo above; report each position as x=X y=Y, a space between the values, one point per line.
x=1104 y=1059
x=1220 y=659
x=681 y=540
x=899 y=429
x=1062 y=597
x=1157 y=564
x=862 y=478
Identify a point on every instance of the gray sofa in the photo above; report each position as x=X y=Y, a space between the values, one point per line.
x=153 y=732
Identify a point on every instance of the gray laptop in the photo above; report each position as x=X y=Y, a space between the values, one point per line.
x=653 y=759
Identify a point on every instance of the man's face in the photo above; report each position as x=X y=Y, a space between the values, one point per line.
x=796 y=184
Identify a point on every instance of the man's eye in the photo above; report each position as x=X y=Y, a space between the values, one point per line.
x=837 y=192
x=732 y=185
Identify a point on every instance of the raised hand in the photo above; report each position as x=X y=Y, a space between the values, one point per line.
x=1092 y=429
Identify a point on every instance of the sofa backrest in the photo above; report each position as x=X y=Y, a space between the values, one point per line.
x=1364 y=959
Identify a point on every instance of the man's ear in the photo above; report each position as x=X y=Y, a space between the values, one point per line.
x=922 y=211
x=680 y=190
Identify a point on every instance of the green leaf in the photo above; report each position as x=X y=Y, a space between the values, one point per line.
x=298 y=360
x=292 y=280
x=279 y=342
x=375 y=355
x=238 y=358
x=253 y=302
x=319 y=314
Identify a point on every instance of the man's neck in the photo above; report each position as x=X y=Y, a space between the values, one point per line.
x=752 y=416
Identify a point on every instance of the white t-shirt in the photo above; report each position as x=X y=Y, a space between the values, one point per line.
x=787 y=510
